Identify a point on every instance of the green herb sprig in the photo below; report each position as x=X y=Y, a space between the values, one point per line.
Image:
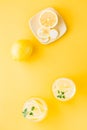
x=61 y=94
x=31 y=112
x=25 y=112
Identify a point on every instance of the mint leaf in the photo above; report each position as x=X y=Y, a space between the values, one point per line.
x=31 y=113
x=64 y=97
x=58 y=91
x=32 y=108
x=25 y=112
x=62 y=92
x=59 y=96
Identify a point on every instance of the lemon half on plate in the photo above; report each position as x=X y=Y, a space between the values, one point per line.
x=43 y=34
x=35 y=109
x=54 y=34
x=48 y=19
x=63 y=89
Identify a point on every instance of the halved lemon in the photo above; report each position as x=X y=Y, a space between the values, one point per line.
x=43 y=32
x=35 y=109
x=63 y=89
x=21 y=50
x=48 y=19
x=53 y=33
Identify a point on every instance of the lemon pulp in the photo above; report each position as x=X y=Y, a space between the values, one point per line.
x=48 y=19
x=43 y=32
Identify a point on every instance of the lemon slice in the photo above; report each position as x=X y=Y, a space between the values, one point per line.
x=44 y=40
x=35 y=109
x=43 y=33
x=63 y=89
x=21 y=50
x=53 y=34
x=48 y=19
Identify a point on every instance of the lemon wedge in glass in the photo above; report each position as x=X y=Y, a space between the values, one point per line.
x=35 y=109
x=21 y=50
x=63 y=89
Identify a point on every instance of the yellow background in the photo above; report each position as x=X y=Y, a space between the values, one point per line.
x=67 y=57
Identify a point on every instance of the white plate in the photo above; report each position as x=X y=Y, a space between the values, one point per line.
x=60 y=27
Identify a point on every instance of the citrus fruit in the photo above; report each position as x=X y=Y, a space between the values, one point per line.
x=53 y=33
x=43 y=32
x=63 y=89
x=21 y=50
x=44 y=40
x=35 y=109
x=48 y=19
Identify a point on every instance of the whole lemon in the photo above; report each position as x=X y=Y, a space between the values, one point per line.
x=21 y=50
